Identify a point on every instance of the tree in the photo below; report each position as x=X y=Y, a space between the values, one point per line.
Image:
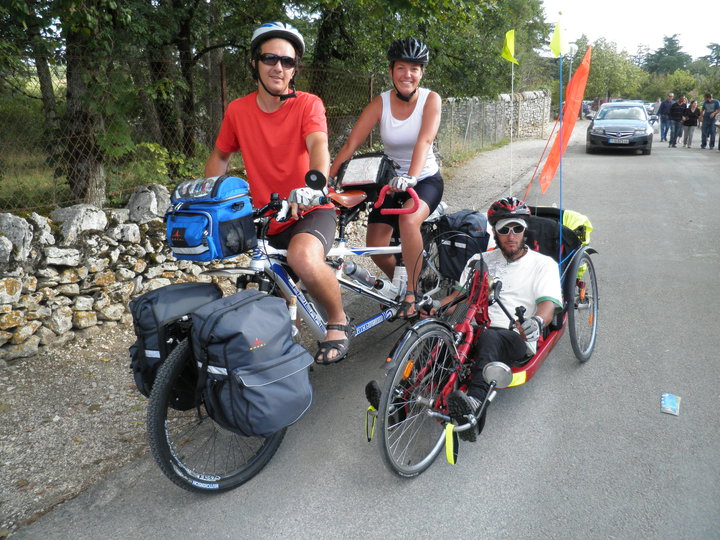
x=612 y=73
x=714 y=57
x=667 y=58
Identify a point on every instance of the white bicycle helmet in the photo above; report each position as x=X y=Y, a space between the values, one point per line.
x=278 y=30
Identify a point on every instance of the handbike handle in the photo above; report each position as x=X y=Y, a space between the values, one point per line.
x=396 y=211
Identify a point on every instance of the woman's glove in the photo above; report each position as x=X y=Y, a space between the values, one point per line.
x=403 y=182
x=532 y=328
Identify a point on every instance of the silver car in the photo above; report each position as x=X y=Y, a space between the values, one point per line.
x=623 y=125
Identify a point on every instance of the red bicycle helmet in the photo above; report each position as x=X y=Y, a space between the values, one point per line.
x=507 y=208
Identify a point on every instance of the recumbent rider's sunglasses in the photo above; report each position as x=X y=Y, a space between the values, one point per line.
x=517 y=229
x=270 y=59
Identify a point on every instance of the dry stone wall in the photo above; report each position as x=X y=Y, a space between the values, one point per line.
x=77 y=270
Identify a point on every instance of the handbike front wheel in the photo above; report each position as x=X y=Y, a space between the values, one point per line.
x=192 y=450
x=583 y=307
x=410 y=436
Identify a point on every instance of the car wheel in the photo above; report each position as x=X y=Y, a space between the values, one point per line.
x=646 y=151
x=589 y=150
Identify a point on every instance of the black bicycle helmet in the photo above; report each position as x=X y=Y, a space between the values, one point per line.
x=409 y=50
x=277 y=30
x=507 y=208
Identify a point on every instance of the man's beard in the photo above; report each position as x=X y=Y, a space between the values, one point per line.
x=511 y=255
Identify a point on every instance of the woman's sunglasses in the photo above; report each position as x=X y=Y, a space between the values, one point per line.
x=517 y=229
x=269 y=59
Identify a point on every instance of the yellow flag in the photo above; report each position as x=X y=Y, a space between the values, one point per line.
x=558 y=45
x=508 y=52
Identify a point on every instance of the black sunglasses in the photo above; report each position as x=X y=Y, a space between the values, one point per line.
x=270 y=59
x=517 y=229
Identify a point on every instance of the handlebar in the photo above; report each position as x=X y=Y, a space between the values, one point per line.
x=396 y=211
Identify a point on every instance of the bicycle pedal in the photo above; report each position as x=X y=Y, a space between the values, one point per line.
x=373 y=393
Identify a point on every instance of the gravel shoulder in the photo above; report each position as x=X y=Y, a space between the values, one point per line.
x=71 y=415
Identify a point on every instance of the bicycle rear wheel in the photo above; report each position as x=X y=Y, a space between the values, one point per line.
x=411 y=437
x=583 y=307
x=192 y=450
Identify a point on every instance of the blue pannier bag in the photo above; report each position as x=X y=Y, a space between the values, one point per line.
x=210 y=218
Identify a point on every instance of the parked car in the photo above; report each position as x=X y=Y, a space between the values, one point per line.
x=622 y=125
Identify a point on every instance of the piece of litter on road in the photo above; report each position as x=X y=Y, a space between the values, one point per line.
x=670 y=404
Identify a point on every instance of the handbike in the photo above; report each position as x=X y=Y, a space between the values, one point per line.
x=432 y=359
x=189 y=447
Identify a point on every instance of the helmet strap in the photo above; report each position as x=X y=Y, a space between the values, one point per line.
x=401 y=97
x=282 y=97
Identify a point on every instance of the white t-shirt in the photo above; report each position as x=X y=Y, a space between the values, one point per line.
x=400 y=136
x=531 y=279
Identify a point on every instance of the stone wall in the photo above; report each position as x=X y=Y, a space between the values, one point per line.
x=78 y=270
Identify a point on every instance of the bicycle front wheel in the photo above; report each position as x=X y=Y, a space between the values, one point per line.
x=192 y=450
x=411 y=436
x=583 y=307
x=430 y=281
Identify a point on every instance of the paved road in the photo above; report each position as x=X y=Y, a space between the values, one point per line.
x=582 y=451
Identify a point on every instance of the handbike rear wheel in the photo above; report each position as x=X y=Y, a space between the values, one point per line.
x=410 y=437
x=195 y=452
x=582 y=307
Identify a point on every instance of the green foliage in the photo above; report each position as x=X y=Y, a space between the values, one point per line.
x=612 y=73
x=668 y=58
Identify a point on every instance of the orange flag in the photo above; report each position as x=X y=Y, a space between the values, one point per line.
x=573 y=100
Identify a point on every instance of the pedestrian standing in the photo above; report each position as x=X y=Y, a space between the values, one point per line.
x=710 y=108
x=690 y=122
x=664 y=113
x=676 y=115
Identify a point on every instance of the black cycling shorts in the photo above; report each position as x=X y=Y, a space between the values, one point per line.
x=429 y=190
x=321 y=223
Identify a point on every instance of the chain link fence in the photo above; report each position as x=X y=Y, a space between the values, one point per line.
x=151 y=128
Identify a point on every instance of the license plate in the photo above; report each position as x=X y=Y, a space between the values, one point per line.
x=618 y=141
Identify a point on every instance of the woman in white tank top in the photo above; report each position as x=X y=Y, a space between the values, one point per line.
x=409 y=118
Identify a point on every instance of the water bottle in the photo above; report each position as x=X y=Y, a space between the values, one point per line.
x=386 y=287
x=399 y=280
x=358 y=273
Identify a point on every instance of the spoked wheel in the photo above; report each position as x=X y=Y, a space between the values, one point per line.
x=583 y=306
x=430 y=281
x=411 y=437
x=192 y=450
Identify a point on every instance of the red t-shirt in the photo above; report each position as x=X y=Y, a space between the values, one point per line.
x=272 y=144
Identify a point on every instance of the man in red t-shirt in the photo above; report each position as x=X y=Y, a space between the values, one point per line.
x=282 y=134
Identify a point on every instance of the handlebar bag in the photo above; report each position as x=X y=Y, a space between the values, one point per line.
x=368 y=172
x=155 y=315
x=210 y=218
x=253 y=378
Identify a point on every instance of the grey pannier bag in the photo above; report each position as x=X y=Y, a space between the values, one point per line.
x=154 y=314
x=253 y=378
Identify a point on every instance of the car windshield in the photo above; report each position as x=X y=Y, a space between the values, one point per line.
x=621 y=113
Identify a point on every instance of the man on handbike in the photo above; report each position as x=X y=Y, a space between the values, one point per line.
x=282 y=134
x=529 y=279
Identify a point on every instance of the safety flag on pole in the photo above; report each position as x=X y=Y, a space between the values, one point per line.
x=573 y=100
x=508 y=52
x=558 y=45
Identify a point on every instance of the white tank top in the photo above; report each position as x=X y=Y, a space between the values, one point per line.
x=400 y=136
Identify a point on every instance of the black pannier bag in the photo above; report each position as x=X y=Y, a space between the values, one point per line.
x=543 y=235
x=460 y=236
x=368 y=172
x=153 y=314
x=253 y=378
x=210 y=218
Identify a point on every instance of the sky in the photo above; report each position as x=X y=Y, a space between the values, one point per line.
x=630 y=23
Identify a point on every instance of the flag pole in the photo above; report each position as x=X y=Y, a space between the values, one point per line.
x=512 y=122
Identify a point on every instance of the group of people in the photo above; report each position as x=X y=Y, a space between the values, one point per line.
x=282 y=133
x=678 y=120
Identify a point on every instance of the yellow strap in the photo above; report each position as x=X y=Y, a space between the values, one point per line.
x=370 y=426
x=451 y=444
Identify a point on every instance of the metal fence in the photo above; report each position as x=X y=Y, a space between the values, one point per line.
x=141 y=139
